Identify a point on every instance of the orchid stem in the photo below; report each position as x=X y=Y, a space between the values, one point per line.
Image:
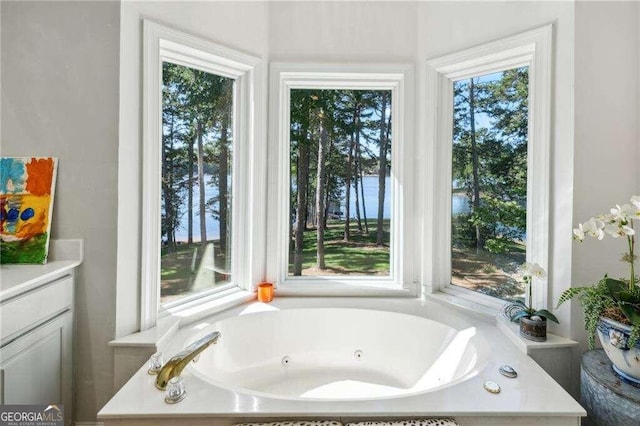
x=632 y=279
x=528 y=279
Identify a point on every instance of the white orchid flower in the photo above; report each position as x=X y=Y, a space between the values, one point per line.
x=533 y=269
x=594 y=228
x=632 y=211
x=578 y=233
x=624 y=213
x=618 y=230
x=635 y=207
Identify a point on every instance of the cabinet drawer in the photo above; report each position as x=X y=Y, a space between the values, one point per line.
x=28 y=310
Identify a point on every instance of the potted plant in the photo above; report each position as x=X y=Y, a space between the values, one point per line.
x=533 y=322
x=612 y=307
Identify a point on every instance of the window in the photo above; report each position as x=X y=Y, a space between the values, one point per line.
x=489 y=183
x=199 y=128
x=197 y=159
x=341 y=212
x=488 y=110
x=340 y=182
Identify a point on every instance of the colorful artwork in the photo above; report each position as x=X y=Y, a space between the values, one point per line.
x=26 y=200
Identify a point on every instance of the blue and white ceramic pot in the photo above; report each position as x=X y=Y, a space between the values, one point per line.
x=614 y=337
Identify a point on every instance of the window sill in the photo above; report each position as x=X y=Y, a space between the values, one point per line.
x=325 y=288
x=166 y=327
x=512 y=330
x=192 y=313
x=464 y=304
x=150 y=338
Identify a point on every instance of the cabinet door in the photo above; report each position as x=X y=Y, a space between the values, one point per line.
x=36 y=367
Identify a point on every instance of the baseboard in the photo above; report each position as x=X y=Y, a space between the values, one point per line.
x=89 y=424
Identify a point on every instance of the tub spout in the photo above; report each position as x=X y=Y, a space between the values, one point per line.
x=179 y=361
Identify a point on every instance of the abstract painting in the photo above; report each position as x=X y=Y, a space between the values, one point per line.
x=27 y=187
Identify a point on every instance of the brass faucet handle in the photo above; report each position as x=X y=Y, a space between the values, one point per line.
x=176 y=364
x=207 y=339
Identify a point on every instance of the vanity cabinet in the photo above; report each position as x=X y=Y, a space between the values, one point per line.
x=36 y=324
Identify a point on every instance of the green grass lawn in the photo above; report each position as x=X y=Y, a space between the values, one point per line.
x=176 y=274
x=359 y=256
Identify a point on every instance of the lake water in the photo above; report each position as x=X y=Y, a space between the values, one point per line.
x=213 y=225
x=370 y=186
x=459 y=201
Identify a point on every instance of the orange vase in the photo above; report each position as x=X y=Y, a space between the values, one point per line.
x=265 y=292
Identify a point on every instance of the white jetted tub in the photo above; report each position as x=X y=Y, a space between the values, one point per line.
x=348 y=358
x=336 y=354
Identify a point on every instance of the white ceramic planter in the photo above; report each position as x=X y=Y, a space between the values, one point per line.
x=614 y=337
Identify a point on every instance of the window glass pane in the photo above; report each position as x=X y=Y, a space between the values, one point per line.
x=489 y=187
x=197 y=152
x=340 y=182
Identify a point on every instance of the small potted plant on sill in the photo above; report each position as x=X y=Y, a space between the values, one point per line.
x=533 y=322
x=612 y=307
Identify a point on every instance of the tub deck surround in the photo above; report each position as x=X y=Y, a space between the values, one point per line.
x=532 y=398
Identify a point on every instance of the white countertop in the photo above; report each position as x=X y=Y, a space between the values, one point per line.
x=532 y=393
x=16 y=279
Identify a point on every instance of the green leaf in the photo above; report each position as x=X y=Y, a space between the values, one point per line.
x=519 y=314
x=546 y=314
x=629 y=297
x=570 y=293
x=632 y=313
x=615 y=286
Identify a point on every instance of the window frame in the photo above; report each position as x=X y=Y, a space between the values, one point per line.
x=533 y=49
x=395 y=77
x=164 y=44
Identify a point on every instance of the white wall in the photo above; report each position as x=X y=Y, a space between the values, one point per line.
x=607 y=142
x=60 y=98
x=241 y=26
x=343 y=31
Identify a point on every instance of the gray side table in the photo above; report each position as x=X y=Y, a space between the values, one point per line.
x=609 y=401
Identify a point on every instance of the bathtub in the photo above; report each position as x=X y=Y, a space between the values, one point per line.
x=349 y=359
x=337 y=354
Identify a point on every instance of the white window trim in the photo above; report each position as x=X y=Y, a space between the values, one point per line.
x=533 y=49
x=398 y=79
x=160 y=44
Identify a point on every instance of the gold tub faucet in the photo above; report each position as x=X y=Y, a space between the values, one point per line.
x=179 y=361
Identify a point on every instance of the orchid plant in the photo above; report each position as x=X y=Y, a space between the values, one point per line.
x=519 y=309
x=619 y=299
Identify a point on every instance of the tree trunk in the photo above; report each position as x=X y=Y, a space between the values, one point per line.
x=190 y=154
x=327 y=202
x=328 y=175
x=203 y=223
x=474 y=161
x=223 y=189
x=347 y=185
x=356 y=174
x=320 y=190
x=166 y=190
x=356 y=193
x=364 y=207
x=382 y=170
x=301 y=207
